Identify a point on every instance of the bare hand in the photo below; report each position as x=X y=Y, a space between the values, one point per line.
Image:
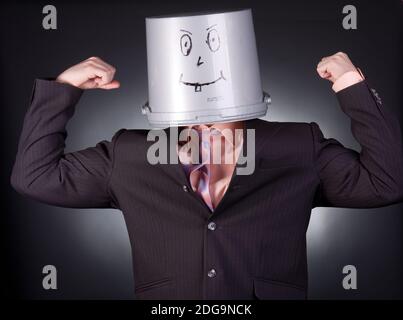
x=334 y=66
x=93 y=73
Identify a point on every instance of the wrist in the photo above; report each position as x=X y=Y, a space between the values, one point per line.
x=347 y=79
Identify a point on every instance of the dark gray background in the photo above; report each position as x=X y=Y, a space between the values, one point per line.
x=90 y=248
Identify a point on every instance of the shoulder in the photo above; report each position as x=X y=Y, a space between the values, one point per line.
x=293 y=139
x=284 y=130
x=130 y=140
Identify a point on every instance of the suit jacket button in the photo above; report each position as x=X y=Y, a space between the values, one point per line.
x=185 y=188
x=212 y=226
x=376 y=95
x=211 y=273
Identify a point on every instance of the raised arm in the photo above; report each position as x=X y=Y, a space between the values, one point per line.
x=42 y=170
x=374 y=176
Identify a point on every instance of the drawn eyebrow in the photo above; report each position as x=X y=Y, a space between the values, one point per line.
x=211 y=27
x=183 y=30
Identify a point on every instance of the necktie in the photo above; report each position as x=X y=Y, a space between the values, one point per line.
x=210 y=174
x=200 y=174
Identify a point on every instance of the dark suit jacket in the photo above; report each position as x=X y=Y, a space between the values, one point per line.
x=258 y=248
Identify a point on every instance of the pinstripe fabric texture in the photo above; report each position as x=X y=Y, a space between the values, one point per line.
x=256 y=246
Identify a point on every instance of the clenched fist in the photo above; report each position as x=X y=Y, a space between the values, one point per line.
x=339 y=69
x=92 y=73
x=333 y=67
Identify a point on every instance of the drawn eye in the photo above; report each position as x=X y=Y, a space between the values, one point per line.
x=213 y=40
x=186 y=44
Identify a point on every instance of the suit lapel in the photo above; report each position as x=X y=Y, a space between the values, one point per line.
x=263 y=132
x=175 y=171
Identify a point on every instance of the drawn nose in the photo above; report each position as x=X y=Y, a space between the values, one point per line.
x=199 y=62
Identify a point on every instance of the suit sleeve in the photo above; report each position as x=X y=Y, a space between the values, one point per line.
x=43 y=171
x=372 y=177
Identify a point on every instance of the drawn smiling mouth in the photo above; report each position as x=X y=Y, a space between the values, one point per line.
x=197 y=85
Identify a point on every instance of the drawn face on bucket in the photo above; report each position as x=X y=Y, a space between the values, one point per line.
x=212 y=41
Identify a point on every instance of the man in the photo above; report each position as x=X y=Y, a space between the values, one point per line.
x=202 y=231
x=254 y=242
